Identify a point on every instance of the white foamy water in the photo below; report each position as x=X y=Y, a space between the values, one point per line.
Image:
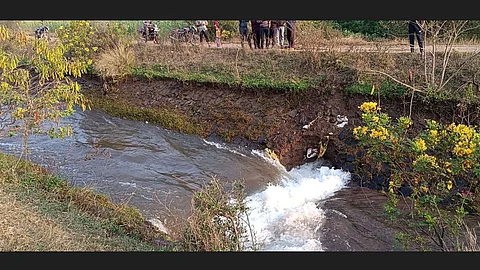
x=221 y=146
x=284 y=216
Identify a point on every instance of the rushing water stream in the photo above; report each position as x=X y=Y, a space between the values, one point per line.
x=157 y=171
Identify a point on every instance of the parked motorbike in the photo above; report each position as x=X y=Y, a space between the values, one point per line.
x=41 y=32
x=185 y=34
x=152 y=33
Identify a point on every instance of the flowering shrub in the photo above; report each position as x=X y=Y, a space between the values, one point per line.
x=440 y=166
x=78 y=39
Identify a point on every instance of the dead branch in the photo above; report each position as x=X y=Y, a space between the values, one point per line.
x=397 y=81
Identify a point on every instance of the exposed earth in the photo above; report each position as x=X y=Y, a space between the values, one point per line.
x=288 y=124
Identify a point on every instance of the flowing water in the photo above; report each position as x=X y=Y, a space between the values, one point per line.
x=157 y=171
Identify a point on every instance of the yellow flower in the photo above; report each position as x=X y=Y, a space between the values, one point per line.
x=449 y=184
x=425 y=159
x=380 y=133
x=368 y=107
x=405 y=122
x=390 y=186
x=419 y=145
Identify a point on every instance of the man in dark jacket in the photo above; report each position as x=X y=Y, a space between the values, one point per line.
x=264 y=33
x=414 y=29
x=243 y=29
x=291 y=26
x=255 y=33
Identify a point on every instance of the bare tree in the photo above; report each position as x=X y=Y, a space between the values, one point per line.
x=440 y=36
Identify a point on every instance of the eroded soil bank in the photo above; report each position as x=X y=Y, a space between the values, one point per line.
x=288 y=124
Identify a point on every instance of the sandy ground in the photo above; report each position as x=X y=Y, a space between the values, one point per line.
x=394 y=47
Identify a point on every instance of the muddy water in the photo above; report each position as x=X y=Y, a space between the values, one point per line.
x=157 y=171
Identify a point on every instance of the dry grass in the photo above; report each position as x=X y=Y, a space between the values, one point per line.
x=115 y=62
x=41 y=212
x=32 y=222
x=215 y=223
x=18 y=234
x=470 y=243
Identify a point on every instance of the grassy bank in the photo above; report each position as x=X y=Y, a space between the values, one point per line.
x=41 y=212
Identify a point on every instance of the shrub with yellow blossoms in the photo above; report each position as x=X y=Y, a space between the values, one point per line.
x=429 y=163
x=79 y=40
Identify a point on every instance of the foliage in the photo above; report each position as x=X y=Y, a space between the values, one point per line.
x=111 y=35
x=437 y=169
x=78 y=39
x=36 y=85
x=386 y=89
x=369 y=28
x=216 y=223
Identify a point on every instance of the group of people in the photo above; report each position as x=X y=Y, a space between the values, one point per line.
x=260 y=34
x=202 y=31
x=264 y=34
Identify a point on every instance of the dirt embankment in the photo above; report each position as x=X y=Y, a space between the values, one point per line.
x=288 y=124
x=249 y=118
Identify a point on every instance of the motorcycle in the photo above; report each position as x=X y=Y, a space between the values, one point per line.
x=41 y=32
x=185 y=34
x=152 y=33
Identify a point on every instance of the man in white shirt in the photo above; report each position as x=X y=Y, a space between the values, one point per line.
x=202 y=29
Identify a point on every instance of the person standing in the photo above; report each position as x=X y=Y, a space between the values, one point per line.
x=255 y=33
x=202 y=30
x=291 y=27
x=264 y=30
x=414 y=29
x=281 y=33
x=273 y=34
x=218 y=34
x=146 y=29
x=243 y=29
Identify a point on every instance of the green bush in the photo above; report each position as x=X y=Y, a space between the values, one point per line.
x=440 y=166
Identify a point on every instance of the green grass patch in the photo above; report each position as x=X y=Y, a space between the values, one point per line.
x=387 y=89
x=167 y=118
x=206 y=74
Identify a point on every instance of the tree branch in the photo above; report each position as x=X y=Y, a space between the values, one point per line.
x=396 y=80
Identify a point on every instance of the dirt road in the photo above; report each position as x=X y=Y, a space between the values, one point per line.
x=393 y=47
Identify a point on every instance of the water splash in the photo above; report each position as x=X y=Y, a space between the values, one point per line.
x=284 y=216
